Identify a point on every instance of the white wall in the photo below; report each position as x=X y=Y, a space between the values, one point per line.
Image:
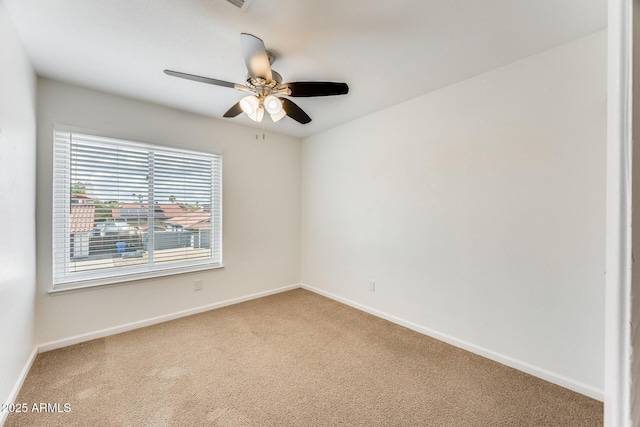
x=633 y=291
x=479 y=210
x=17 y=215
x=261 y=211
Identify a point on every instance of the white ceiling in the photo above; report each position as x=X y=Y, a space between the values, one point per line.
x=387 y=51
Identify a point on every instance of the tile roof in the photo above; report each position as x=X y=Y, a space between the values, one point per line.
x=82 y=217
x=192 y=220
x=134 y=210
x=171 y=211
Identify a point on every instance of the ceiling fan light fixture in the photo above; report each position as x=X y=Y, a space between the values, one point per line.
x=273 y=105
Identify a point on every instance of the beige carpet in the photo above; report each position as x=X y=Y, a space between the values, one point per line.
x=292 y=359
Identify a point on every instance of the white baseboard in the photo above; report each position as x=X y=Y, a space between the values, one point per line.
x=544 y=374
x=18 y=385
x=52 y=345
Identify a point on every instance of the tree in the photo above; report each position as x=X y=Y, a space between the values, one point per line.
x=140 y=197
x=104 y=210
x=79 y=188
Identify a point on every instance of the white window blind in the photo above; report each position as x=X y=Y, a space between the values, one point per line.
x=124 y=210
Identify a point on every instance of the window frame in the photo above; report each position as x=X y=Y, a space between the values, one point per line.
x=62 y=170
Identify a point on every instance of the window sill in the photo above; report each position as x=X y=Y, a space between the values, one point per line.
x=80 y=286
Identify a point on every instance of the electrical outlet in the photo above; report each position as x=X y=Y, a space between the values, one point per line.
x=197 y=286
x=372 y=285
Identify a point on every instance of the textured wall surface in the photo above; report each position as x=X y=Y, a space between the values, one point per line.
x=17 y=214
x=261 y=211
x=478 y=210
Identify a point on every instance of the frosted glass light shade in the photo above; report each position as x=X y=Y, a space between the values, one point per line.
x=258 y=116
x=278 y=116
x=272 y=104
x=250 y=105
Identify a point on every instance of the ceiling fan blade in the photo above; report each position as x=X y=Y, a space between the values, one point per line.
x=316 y=88
x=295 y=112
x=255 y=57
x=233 y=111
x=200 y=79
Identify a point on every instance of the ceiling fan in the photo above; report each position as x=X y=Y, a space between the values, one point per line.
x=266 y=87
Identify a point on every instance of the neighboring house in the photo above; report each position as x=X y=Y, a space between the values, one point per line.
x=92 y=236
x=83 y=216
x=198 y=224
x=175 y=226
x=136 y=214
x=191 y=220
x=169 y=211
x=190 y=229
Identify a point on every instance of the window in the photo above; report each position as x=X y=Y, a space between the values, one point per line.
x=125 y=210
